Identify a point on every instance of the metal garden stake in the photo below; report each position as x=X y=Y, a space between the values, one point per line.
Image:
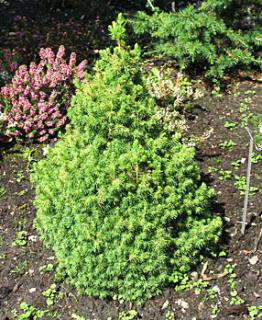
x=251 y=145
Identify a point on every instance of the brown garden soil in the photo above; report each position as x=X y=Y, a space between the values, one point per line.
x=21 y=279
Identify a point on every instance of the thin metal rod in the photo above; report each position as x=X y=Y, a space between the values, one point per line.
x=251 y=145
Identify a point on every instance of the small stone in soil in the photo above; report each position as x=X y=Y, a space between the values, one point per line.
x=253 y=260
x=183 y=304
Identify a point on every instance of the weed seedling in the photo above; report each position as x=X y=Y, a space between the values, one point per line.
x=28 y=155
x=245 y=119
x=225 y=175
x=46 y=268
x=20 y=176
x=210 y=294
x=198 y=285
x=129 y=315
x=248 y=100
x=234 y=297
x=214 y=309
x=230 y=125
x=170 y=315
x=21 y=193
x=1 y=240
x=2 y=192
x=184 y=284
x=255 y=312
x=20 y=268
x=222 y=254
x=2 y=257
x=20 y=239
x=241 y=186
x=188 y=284
x=228 y=144
x=216 y=92
x=29 y=312
x=212 y=169
x=60 y=296
x=250 y=92
x=236 y=163
x=256 y=158
x=243 y=107
x=49 y=294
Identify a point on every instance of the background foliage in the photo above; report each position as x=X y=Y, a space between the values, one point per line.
x=203 y=38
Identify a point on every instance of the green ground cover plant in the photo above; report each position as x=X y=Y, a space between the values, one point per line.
x=119 y=198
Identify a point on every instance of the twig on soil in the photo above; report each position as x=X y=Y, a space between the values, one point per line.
x=214 y=276
x=16 y=287
x=234 y=310
x=204 y=269
x=68 y=293
x=251 y=144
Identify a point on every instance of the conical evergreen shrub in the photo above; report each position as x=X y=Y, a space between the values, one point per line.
x=119 y=198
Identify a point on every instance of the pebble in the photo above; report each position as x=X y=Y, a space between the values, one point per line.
x=31 y=271
x=165 y=305
x=182 y=303
x=253 y=260
x=32 y=238
x=216 y=289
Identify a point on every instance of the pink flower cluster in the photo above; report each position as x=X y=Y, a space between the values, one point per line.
x=35 y=103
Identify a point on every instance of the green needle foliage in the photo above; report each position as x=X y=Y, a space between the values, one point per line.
x=237 y=14
x=119 y=198
x=198 y=39
x=244 y=17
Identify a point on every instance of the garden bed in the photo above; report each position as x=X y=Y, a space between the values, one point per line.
x=227 y=284
x=27 y=269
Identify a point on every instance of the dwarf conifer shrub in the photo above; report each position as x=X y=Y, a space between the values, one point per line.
x=119 y=198
x=199 y=40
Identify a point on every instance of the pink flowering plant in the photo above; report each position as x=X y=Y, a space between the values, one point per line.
x=34 y=105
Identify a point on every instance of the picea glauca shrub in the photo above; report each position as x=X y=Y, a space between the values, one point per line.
x=119 y=198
